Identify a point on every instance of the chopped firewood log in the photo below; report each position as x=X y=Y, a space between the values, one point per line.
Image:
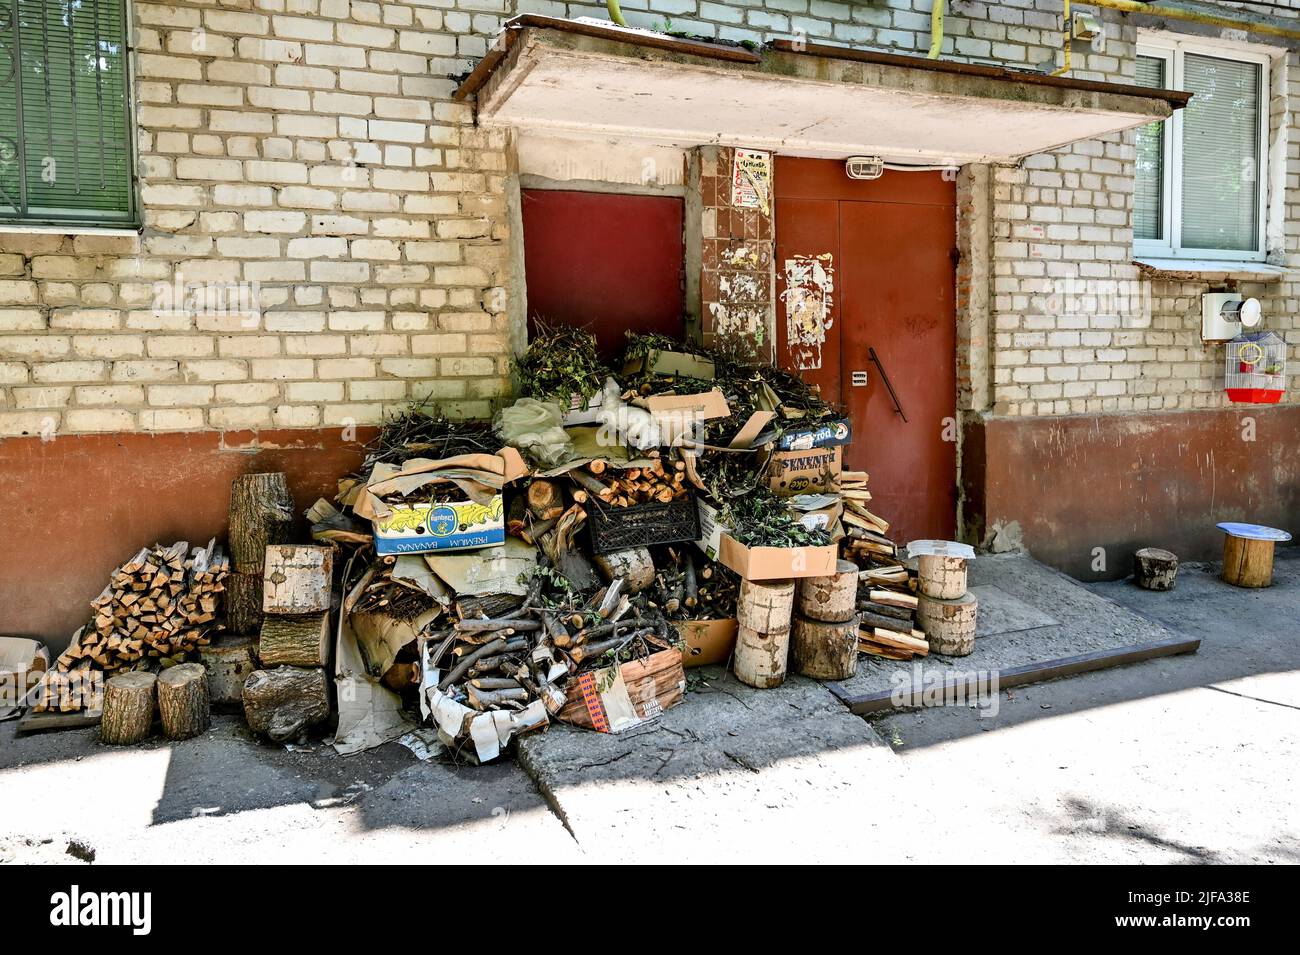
x=302 y=640
x=893 y=624
x=899 y=641
x=543 y=497
x=893 y=598
x=261 y=514
x=877 y=650
x=128 y=708
x=283 y=702
x=297 y=579
x=183 y=706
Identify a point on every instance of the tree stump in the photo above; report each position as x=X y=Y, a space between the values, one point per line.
x=763 y=611
x=261 y=514
x=633 y=565
x=244 y=602
x=831 y=599
x=765 y=606
x=941 y=576
x=183 y=701
x=825 y=650
x=283 y=702
x=297 y=579
x=760 y=658
x=229 y=660
x=949 y=625
x=1155 y=569
x=301 y=641
x=1247 y=562
x=128 y=708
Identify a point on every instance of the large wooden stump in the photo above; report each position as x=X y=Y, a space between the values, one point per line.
x=941 y=576
x=261 y=513
x=301 y=641
x=297 y=579
x=229 y=660
x=244 y=602
x=128 y=708
x=949 y=625
x=832 y=599
x=764 y=613
x=1247 y=562
x=765 y=606
x=283 y=702
x=825 y=650
x=183 y=701
x=633 y=565
x=1155 y=569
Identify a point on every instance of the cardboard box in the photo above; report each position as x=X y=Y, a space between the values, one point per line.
x=422 y=528
x=777 y=563
x=761 y=563
x=639 y=691
x=458 y=525
x=805 y=472
x=677 y=415
x=827 y=434
x=578 y=415
x=707 y=641
x=672 y=363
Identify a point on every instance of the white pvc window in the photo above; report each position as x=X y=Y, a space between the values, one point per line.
x=1199 y=177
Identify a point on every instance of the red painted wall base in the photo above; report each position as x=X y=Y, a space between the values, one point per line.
x=73 y=508
x=1070 y=485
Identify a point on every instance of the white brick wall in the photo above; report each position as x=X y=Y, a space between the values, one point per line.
x=311 y=147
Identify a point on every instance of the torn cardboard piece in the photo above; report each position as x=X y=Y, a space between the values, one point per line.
x=488 y=732
x=497 y=571
x=22 y=662
x=707 y=641
x=370 y=714
x=672 y=364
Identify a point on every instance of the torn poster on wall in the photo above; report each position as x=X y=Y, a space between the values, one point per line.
x=751 y=180
x=809 y=288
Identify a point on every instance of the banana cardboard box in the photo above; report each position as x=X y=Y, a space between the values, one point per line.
x=453 y=525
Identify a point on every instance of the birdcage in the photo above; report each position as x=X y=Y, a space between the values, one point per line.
x=1255 y=369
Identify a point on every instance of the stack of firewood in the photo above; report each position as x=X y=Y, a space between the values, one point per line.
x=159 y=607
x=654 y=483
x=867 y=534
x=289 y=693
x=887 y=611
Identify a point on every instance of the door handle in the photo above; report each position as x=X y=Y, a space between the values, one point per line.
x=898 y=407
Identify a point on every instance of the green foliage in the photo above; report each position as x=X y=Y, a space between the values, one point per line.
x=761 y=519
x=561 y=363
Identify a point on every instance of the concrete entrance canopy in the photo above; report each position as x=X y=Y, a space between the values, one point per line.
x=587 y=77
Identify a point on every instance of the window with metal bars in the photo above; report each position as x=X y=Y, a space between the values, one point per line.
x=65 y=125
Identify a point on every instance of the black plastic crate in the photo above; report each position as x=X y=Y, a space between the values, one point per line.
x=642 y=525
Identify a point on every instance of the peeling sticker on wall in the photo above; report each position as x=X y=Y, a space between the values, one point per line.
x=751 y=180
x=808 y=295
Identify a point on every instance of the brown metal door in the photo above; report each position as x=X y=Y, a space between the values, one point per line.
x=890 y=244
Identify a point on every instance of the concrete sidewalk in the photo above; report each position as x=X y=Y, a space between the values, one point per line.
x=1187 y=758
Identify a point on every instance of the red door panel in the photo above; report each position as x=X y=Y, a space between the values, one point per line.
x=604 y=261
x=898 y=292
x=891 y=243
x=808 y=227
